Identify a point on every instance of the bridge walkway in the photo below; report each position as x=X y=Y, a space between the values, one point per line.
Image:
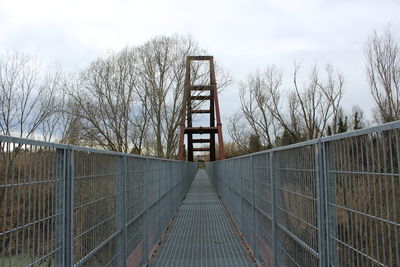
x=202 y=233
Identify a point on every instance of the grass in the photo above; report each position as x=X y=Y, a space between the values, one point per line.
x=21 y=260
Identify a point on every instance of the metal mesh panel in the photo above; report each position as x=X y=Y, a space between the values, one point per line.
x=333 y=201
x=29 y=188
x=263 y=248
x=247 y=200
x=327 y=202
x=135 y=190
x=70 y=206
x=366 y=199
x=153 y=194
x=297 y=205
x=95 y=209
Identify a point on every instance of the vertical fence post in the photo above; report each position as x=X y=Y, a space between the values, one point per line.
x=169 y=187
x=70 y=205
x=159 y=200
x=230 y=194
x=146 y=201
x=330 y=197
x=121 y=206
x=64 y=232
x=272 y=162
x=321 y=208
x=241 y=196
x=254 y=204
x=60 y=200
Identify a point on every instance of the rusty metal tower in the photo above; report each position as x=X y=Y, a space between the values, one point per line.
x=190 y=97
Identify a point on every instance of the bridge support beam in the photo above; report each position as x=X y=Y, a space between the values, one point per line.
x=186 y=126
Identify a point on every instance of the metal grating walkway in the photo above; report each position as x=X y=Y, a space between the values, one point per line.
x=202 y=233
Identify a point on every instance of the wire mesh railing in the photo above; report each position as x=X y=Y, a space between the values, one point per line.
x=70 y=206
x=334 y=201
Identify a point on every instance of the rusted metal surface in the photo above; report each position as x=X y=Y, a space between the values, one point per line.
x=201 y=111
x=201 y=140
x=200 y=87
x=200 y=98
x=201 y=130
x=215 y=125
x=201 y=149
x=219 y=124
x=200 y=57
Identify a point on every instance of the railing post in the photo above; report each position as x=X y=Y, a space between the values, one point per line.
x=330 y=197
x=121 y=206
x=64 y=202
x=254 y=203
x=272 y=162
x=146 y=201
x=321 y=201
x=159 y=200
x=230 y=194
x=169 y=187
x=59 y=228
x=241 y=196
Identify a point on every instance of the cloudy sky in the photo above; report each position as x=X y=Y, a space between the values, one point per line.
x=243 y=35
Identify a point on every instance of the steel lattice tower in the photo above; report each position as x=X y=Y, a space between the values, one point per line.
x=187 y=111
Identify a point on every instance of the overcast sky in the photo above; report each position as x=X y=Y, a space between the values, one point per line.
x=243 y=35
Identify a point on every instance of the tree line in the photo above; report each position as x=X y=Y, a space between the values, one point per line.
x=130 y=100
x=269 y=116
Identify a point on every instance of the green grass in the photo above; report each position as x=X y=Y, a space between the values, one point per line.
x=20 y=260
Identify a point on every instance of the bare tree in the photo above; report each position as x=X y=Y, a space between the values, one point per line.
x=333 y=92
x=239 y=132
x=26 y=97
x=255 y=98
x=70 y=123
x=290 y=121
x=160 y=72
x=104 y=100
x=383 y=72
x=287 y=118
x=319 y=100
x=357 y=118
x=280 y=118
x=53 y=126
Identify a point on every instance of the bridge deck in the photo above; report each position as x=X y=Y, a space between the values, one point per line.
x=202 y=233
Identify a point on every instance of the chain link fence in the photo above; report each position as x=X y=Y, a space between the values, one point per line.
x=70 y=206
x=334 y=201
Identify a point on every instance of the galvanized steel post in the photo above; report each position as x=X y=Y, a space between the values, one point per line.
x=60 y=206
x=321 y=208
x=241 y=197
x=253 y=202
x=121 y=206
x=159 y=200
x=64 y=171
x=330 y=191
x=146 y=201
x=274 y=208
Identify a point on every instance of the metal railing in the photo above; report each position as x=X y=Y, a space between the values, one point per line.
x=71 y=206
x=334 y=201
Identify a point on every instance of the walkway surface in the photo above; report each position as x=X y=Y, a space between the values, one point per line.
x=202 y=234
